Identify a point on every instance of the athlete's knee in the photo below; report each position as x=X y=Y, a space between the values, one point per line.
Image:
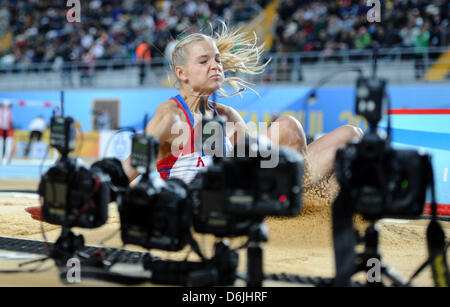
x=290 y=133
x=289 y=122
x=289 y=127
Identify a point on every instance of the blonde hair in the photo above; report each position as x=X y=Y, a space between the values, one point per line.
x=239 y=53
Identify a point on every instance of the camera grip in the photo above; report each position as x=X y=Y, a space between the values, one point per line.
x=113 y=167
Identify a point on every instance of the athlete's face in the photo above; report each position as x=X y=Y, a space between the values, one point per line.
x=203 y=69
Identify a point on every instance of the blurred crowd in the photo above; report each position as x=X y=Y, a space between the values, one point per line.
x=36 y=31
x=331 y=25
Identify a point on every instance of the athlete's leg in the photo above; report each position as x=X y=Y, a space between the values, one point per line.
x=321 y=152
x=30 y=141
x=2 y=144
x=319 y=155
x=287 y=131
x=9 y=147
x=290 y=133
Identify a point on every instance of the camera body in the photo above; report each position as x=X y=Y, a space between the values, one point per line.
x=153 y=213
x=380 y=181
x=235 y=192
x=72 y=195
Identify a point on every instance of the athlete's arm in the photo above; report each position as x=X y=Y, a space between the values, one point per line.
x=160 y=127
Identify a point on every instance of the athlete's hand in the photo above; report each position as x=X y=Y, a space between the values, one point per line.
x=36 y=212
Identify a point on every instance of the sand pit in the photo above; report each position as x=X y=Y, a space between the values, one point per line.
x=299 y=245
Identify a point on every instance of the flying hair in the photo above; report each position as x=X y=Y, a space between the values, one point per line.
x=239 y=54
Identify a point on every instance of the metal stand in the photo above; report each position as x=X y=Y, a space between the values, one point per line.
x=67 y=246
x=372 y=254
x=255 y=272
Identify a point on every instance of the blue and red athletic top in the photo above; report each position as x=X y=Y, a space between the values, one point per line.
x=187 y=162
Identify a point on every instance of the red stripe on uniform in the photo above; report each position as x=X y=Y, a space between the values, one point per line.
x=192 y=130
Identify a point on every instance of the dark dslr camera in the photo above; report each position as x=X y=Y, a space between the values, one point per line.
x=379 y=180
x=235 y=192
x=154 y=212
x=73 y=195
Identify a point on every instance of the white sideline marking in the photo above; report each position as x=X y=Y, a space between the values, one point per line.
x=15 y=256
x=445 y=174
x=20 y=195
x=395 y=221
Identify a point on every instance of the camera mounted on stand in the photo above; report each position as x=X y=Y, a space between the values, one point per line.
x=156 y=214
x=381 y=181
x=233 y=196
x=229 y=198
x=376 y=181
x=153 y=213
x=72 y=195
